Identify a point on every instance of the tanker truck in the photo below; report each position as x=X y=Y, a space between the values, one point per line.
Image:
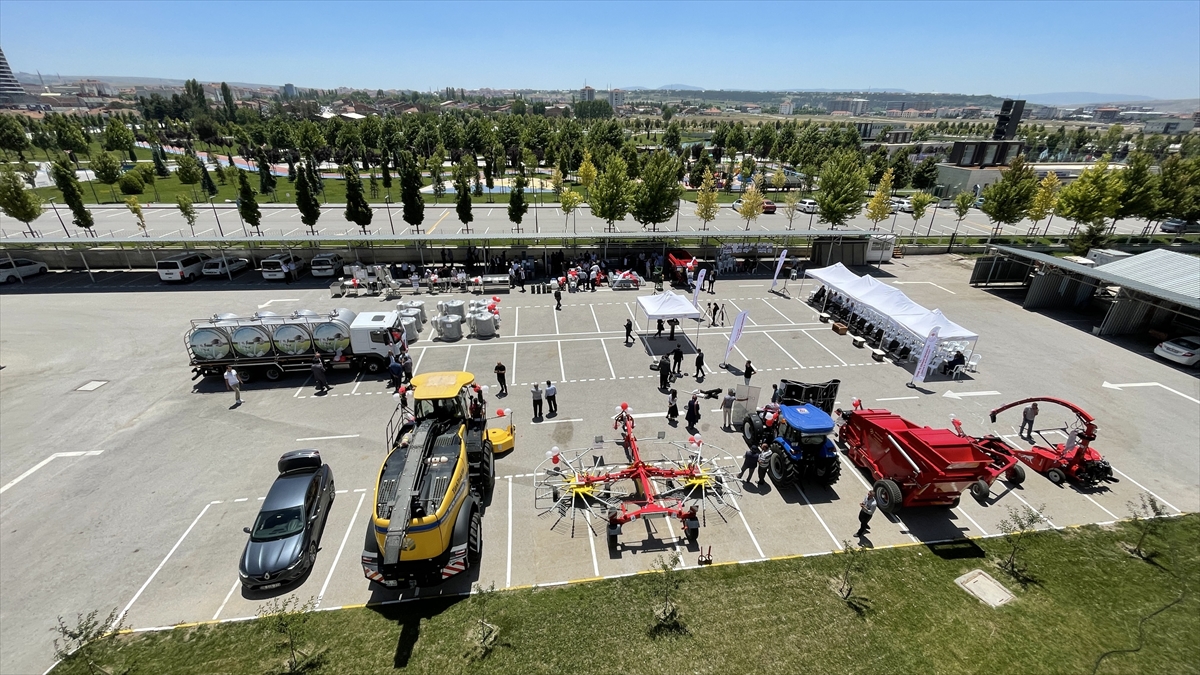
x=268 y=345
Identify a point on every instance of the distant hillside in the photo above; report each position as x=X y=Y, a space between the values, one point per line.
x=120 y=80
x=679 y=87
x=1081 y=98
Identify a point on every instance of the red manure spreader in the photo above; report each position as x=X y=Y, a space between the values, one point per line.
x=922 y=466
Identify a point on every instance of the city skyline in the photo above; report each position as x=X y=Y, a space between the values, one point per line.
x=1157 y=53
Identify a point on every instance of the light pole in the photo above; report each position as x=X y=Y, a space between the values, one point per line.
x=60 y=220
x=935 y=208
x=214 y=210
x=387 y=202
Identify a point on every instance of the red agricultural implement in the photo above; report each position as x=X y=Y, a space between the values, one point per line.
x=578 y=489
x=1075 y=458
x=921 y=466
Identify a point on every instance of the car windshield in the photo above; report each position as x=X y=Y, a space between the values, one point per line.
x=277 y=524
x=1186 y=343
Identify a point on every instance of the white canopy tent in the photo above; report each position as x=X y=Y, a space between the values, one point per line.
x=887 y=307
x=668 y=306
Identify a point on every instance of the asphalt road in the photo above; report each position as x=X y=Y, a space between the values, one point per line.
x=283 y=221
x=125 y=484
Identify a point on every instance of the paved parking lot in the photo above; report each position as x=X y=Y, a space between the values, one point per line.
x=124 y=483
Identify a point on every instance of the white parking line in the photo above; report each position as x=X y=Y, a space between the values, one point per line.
x=158 y=569
x=300 y=389
x=508 y=564
x=417 y=365
x=1115 y=516
x=593 y=308
x=236 y=583
x=467 y=360
x=556 y=332
x=516 y=321
x=1146 y=489
x=357 y=382
x=805 y=331
x=592 y=543
x=327 y=438
x=611 y=372
x=44 y=462
x=748 y=530
x=968 y=516
x=634 y=317
x=836 y=544
x=338 y=557
x=739 y=309
x=577 y=419
x=786 y=351
x=1048 y=521
x=785 y=316
x=562 y=368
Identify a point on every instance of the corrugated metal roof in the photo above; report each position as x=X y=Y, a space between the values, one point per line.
x=1166 y=278
x=1168 y=270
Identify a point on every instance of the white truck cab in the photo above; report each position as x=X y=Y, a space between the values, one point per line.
x=372 y=335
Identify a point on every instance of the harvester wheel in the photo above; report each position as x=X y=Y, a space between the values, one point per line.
x=980 y=489
x=1015 y=475
x=475 y=540
x=888 y=496
x=1056 y=476
x=488 y=467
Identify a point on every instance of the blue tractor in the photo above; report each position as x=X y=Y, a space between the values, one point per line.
x=797 y=433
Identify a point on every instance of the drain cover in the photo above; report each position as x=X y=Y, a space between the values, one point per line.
x=981 y=585
x=93 y=385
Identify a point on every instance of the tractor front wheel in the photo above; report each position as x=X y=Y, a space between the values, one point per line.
x=1015 y=475
x=778 y=467
x=888 y=496
x=1056 y=476
x=980 y=489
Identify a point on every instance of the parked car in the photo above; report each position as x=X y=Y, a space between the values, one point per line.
x=281 y=265
x=978 y=203
x=218 y=268
x=326 y=265
x=182 y=267
x=1178 y=226
x=286 y=534
x=808 y=206
x=19 y=268
x=902 y=204
x=1183 y=350
x=768 y=206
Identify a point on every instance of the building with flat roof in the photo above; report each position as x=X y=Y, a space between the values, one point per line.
x=1169 y=125
x=786 y=108
x=289 y=90
x=587 y=94
x=854 y=106
x=616 y=98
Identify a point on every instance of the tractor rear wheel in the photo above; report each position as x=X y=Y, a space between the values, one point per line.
x=1015 y=475
x=828 y=471
x=980 y=489
x=1056 y=476
x=888 y=496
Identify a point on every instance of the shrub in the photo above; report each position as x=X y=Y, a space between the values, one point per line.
x=131 y=183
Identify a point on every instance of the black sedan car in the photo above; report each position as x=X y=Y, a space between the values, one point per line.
x=287 y=532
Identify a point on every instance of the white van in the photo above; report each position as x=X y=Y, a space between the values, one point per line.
x=326 y=264
x=282 y=265
x=182 y=267
x=808 y=206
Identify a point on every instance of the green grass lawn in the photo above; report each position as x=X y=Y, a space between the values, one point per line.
x=1085 y=596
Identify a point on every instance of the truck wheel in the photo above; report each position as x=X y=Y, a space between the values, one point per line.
x=748 y=431
x=247 y=374
x=1056 y=476
x=272 y=373
x=1015 y=475
x=888 y=496
x=373 y=366
x=980 y=489
x=475 y=540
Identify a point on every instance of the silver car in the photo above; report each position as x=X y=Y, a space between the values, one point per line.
x=228 y=266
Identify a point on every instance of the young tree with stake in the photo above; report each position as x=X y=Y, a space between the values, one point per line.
x=707 y=207
x=752 y=205
x=880 y=206
x=187 y=210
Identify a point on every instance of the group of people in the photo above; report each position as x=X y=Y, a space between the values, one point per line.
x=691 y=414
x=670 y=366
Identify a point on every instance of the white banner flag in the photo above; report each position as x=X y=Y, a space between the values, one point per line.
x=778 y=267
x=699 y=284
x=927 y=352
x=736 y=333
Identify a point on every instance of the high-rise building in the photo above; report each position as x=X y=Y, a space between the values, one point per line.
x=587 y=94
x=616 y=98
x=786 y=108
x=854 y=106
x=289 y=91
x=10 y=89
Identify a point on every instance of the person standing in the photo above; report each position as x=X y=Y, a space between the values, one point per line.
x=537 y=401
x=748 y=372
x=864 y=515
x=749 y=463
x=764 y=461
x=594 y=275
x=318 y=373
x=712 y=280
x=660 y=329
x=521 y=277
x=727 y=409
x=557 y=300
x=628 y=331
x=699 y=364
x=775 y=395
x=677 y=360
x=664 y=372
x=501 y=371
x=693 y=413
x=722 y=314
x=712 y=314
x=233 y=382
x=407 y=363
x=673 y=408
x=1027 y=417
x=552 y=397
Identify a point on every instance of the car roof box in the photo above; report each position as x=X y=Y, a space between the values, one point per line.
x=299 y=460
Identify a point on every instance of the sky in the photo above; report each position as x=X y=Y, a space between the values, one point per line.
x=1005 y=48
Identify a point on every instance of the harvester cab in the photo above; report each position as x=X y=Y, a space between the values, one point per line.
x=1072 y=459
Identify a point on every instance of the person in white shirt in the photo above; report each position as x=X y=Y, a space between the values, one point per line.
x=233 y=382
x=551 y=397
